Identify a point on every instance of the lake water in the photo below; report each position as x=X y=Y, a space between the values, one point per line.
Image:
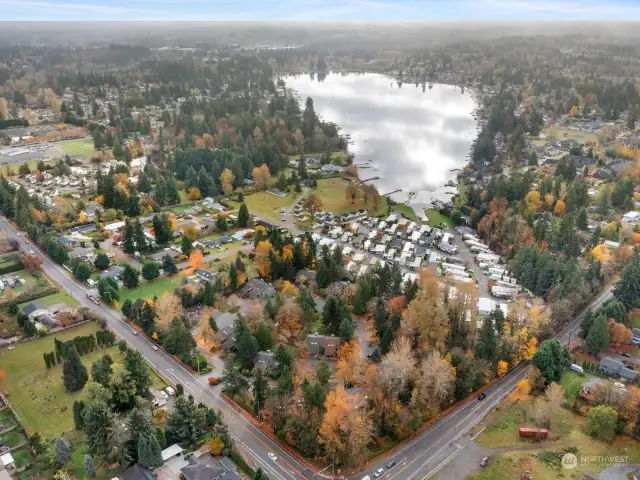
x=410 y=138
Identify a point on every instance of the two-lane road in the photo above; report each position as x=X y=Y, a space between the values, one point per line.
x=249 y=439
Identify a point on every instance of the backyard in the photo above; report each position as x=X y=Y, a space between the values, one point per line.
x=60 y=297
x=37 y=394
x=436 y=219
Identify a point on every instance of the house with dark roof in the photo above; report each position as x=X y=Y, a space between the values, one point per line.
x=67 y=242
x=257 y=288
x=266 y=361
x=611 y=366
x=32 y=307
x=205 y=275
x=137 y=472
x=325 y=345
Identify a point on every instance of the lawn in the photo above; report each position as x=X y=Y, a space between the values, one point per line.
x=582 y=137
x=13 y=438
x=37 y=394
x=21 y=457
x=150 y=289
x=332 y=193
x=7 y=419
x=264 y=203
x=436 y=218
x=405 y=210
x=572 y=381
x=4 y=170
x=79 y=148
x=60 y=297
x=337 y=157
x=635 y=319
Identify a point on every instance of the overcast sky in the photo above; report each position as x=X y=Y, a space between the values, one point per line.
x=122 y=10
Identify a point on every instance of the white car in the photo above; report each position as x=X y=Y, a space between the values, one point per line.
x=170 y=391
x=272 y=456
x=379 y=472
x=155 y=347
x=31 y=252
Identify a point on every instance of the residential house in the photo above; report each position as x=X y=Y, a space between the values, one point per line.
x=115 y=227
x=227 y=338
x=205 y=275
x=113 y=271
x=611 y=366
x=34 y=307
x=631 y=217
x=266 y=361
x=257 y=288
x=206 y=467
x=325 y=345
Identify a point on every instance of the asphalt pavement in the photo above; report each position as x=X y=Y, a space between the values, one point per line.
x=419 y=458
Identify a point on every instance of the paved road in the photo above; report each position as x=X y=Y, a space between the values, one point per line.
x=255 y=444
x=419 y=458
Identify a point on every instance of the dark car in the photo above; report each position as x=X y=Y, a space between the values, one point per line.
x=391 y=464
x=482 y=396
x=628 y=355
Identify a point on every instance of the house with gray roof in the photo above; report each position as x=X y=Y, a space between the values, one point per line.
x=611 y=366
x=113 y=271
x=257 y=288
x=266 y=361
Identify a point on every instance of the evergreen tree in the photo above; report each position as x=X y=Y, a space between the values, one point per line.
x=233 y=278
x=581 y=221
x=74 y=373
x=101 y=372
x=149 y=452
x=130 y=277
x=139 y=237
x=102 y=261
x=150 y=270
x=169 y=266
x=627 y=289
x=221 y=223
x=347 y=329
x=128 y=242
x=243 y=216
x=62 y=452
x=144 y=183
x=260 y=386
x=137 y=368
x=186 y=422
x=89 y=468
x=78 y=410
x=487 y=345
x=598 y=337
x=587 y=323
x=264 y=337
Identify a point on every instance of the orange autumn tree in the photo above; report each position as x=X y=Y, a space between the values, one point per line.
x=346 y=429
x=193 y=193
x=560 y=208
x=619 y=333
x=503 y=367
x=195 y=259
x=262 y=261
x=533 y=200
x=349 y=366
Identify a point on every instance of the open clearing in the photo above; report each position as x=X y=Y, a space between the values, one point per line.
x=332 y=193
x=79 y=148
x=37 y=394
x=436 y=218
x=150 y=289
x=264 y=203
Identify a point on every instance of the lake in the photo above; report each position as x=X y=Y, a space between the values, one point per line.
x=408 y=137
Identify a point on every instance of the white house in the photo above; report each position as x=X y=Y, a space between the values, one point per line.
x=631 y=217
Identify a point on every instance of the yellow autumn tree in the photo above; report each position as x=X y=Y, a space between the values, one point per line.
x=190 y=231
x=560 y=208
x=287 y=252
x=548 y=200
x=533 y=200
x=173 y=222
x=215 y=445
x=601 y=253
x=82 y=217
x=167 y=308
x=262 y=260
x=349 y=366
x=193 y=193
x=503 y=367
x=523 y=388
x=261 y=177
x=573 y=111
x=288 y=289
x=226 y=179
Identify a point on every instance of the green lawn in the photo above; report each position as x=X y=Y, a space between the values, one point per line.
x=7 y=419
x=13 y=438
x=21 y=457
x=436 y=218
x=79 y=148
x=148 y=289
x=60 y=297
x=264 y=203
x=572 y=381
x=37 y=394
x=332 y=193
x=405 y=210
x=337 y=157
x=635 y=319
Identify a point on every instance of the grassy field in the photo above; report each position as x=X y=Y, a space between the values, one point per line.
x=13 y=167
x=79 y=148
x=332 y=193
x=405 y=210
x=337 y=157
x=13 y=438
x=264 y=203
x=635 y=319
x=436 y=218
x=37 y=394
x=582 y=137
x=572 y=381
x=149 y=289
x=502 y=431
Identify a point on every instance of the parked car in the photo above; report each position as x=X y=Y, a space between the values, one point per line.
x=379 y=472
x=170 y=391
x=484 y=462
x=628 y=355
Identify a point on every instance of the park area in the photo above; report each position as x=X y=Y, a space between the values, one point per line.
x=37 y=393
x=331 y=192
x=79 y=148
